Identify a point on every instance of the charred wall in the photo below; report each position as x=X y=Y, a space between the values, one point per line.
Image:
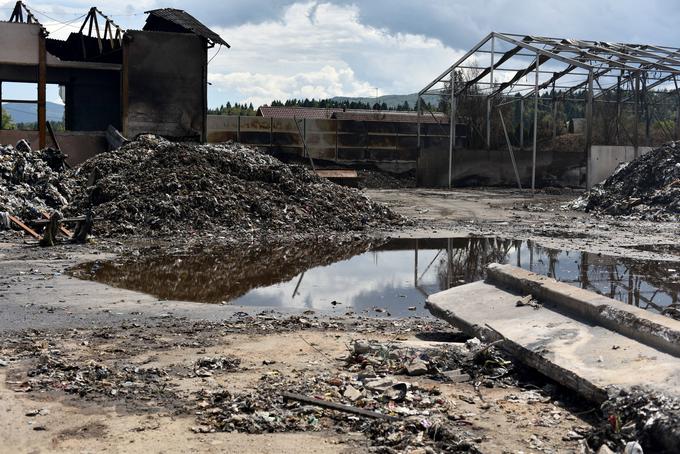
x=92 y=100
x=166 y=84
x=494 y=167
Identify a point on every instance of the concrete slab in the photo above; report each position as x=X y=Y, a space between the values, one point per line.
x=655 y=330
x=576 y=353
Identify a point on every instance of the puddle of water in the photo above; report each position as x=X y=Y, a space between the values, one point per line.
x=392 y=278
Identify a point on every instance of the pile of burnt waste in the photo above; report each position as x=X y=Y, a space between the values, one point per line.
x=31 y=182
x=153 y=186
x=646 y=188
x=638 y=416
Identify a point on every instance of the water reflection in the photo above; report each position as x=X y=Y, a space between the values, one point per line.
x=391 y=277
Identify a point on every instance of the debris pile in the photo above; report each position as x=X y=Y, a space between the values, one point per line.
x=646 y=188
x=31 y=181
x=95 y=379
x=377 y=179
x=638 y=416
x=164 y=187
x=367 y=396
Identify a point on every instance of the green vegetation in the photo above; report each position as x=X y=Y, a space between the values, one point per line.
x=340 y=104
x=241 y=110
x=7 y=121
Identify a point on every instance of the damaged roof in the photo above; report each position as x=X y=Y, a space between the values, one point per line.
x=168 y=19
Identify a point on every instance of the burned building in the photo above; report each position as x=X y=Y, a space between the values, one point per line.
x=152 y=80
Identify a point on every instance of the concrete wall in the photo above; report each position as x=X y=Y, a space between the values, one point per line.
x=388 y=145
x=79 y=146
x=166 y=84
x=494 y=168
x=19 y=43
x=604 y=159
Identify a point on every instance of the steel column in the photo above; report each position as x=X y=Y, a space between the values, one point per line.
x=636 y=119
x=42 y=91
x=554 y=114
x=452 y=121
x=521 y=124
x=589 y=121
x=488 y=99
x=533 y=156
x=618 y=108
x=419 y=109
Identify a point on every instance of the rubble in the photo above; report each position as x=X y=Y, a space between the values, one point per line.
x=638 y=418
x=163 y=187
x=204 y=367
x=415 y=416
x=646 y=188
x=94 y=379
x=31 y=182
x=378 y=179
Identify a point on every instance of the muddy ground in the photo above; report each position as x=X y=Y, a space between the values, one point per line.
x=91 y=368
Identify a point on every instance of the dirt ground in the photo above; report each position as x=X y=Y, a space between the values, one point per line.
x=516 y=214
x=54 y=327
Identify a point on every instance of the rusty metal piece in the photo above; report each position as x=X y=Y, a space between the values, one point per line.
x=24 y=227
x=337 y=407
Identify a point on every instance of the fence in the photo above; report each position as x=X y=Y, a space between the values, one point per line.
x=349 y=141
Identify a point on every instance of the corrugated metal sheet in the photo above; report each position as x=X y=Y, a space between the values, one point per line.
x=188 y=22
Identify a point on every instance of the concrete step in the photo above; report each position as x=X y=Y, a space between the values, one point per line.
x=573 y=338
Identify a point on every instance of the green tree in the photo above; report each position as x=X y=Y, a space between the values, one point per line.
x=7 y=121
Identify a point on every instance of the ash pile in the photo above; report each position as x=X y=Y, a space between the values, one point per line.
x=646 y=188
x=31 y=181
x=153 y=186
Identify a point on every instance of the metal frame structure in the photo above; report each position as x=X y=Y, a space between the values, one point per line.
x=509 y=68
x=115 y=38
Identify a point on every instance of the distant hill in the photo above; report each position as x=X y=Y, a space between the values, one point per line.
x=392 y=101
x=28 y=113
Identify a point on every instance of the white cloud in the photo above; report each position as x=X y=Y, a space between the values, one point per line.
x=310 y=48
x=320 y=50
x=260 y=88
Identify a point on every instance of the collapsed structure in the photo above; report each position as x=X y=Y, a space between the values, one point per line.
x=514 y=92
x=139 y=81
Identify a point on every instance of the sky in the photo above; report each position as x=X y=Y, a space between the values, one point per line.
x=323 y=48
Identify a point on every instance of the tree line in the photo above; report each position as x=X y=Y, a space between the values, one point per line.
x=341 y=104
x=249 y=110
x=241 y=110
